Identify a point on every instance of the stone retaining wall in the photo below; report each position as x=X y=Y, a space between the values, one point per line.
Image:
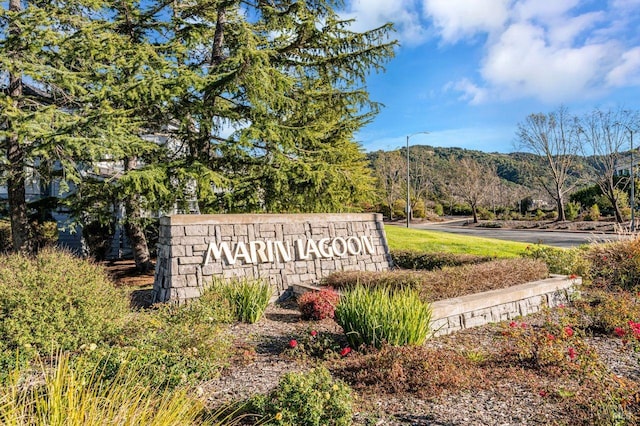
x=284 y=249
x=459 y=313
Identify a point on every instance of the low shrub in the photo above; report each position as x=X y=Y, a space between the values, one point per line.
x=605 y=311
x=409 y=259
x=396 y=279
x=311 y=398
x=317 y=344
x=559 y=260
x=593 y=213
x=57 y=300
x=425 y=372
x=318 y=305
x=448 y=281
x=379 y=315
x=556 y=344
x=572 y=209
x=615 y=264
x=469 y=279
x=248 y=298
x=169 y=345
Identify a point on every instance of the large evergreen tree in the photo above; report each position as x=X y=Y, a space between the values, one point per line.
x=288 y=79
x=260 y=103
x=51 y=121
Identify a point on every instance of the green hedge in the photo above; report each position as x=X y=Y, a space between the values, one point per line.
x=409 y=259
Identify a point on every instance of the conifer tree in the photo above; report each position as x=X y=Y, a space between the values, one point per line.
x=289 y=79
x=49 y=118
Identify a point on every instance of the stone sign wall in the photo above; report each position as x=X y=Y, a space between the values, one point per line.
x=283 y=249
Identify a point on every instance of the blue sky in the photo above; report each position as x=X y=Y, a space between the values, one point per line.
x=468 y=71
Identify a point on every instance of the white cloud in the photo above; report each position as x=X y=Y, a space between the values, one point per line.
x=627 y=72
x=542 y=10
x=470 y=92
x=555 y=51
x=459 y=19
x=524 y=63
x=369 y=14
x=549 y=50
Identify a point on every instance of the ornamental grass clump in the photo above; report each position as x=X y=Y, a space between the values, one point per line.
x=381 y=315
x=248 y=298
x=60 y=395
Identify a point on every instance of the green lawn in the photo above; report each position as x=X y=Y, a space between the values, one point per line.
x=400 y=238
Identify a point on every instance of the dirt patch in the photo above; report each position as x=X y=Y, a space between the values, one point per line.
x=125 y=275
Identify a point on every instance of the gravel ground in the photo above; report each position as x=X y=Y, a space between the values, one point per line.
x=503 y=403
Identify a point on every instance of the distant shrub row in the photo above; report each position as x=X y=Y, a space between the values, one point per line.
x=410 y=259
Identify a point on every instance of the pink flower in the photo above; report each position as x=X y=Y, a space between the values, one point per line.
x=561 y=306
x=314 y=333
x=293 y=343
x=523 y=325
x=543 y=393
x=346 y=351
x=619 y=331
x=572 y=353
x=569 y=331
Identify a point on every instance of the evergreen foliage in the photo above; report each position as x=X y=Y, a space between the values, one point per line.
x=257 y=105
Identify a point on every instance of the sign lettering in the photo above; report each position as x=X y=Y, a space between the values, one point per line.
x=255 y=252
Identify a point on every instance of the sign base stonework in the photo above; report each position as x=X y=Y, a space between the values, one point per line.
x=283 y=249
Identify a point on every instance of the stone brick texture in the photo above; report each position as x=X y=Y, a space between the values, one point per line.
x=181 y=273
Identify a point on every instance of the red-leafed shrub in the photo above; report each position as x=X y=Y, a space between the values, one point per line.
x=318 y=305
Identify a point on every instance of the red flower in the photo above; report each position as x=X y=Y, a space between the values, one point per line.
x=551 y=336
x=346 y=351
x=513 y=324
x=561 y=306
x=572 y=353
x=604 y=257
x=314 y=333
x=573 y=276
x=523 y=325
x=619 y=331
x=543 y=393
x=293 y=343
x=569 y=331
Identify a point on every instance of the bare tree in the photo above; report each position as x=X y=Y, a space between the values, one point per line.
x=603 y=134
x=473 y=182
x=554 y=137
x=422 y=182
x=389 y=169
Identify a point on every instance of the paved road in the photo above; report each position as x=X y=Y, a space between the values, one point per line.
x=552 y=238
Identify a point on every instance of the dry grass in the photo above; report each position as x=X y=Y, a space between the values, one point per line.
x=424 y=372
x=449 y=281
